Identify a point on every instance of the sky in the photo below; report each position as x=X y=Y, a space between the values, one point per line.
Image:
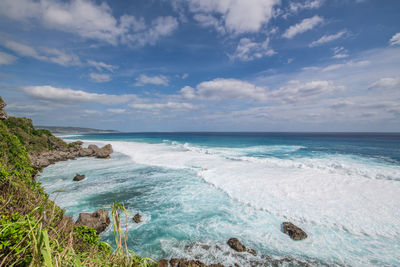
x=203 y=65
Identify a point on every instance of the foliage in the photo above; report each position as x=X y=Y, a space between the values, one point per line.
x=33 y=230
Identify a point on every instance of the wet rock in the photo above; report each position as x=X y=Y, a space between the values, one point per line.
x=296 y=233
x=235 y=244
x=104 y=152
x=79 y=177
x=137 y=218
x=99 y=220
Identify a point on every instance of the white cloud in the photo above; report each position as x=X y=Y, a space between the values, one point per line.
x=328 y=38
x=303 y=26
x=188 y=92
x=63 y=95
x=185 y=75
x=231 y=89
x=296 y=91
x=156 y=80
x=386 y=83
x=340 y=52
x=174 y=106
x=116 y=110
x=235 y=16
x=395 y=40
x=89 y=20
x=6 y=58
x=351 y=63
x=44 y=54
x=100 y=66
x=248 y=50
x=100 y=77
x=310 y=4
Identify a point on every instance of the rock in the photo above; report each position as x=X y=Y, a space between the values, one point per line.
x=235 y=244
x=79 y=177
x=216 y=265
x=94 y=148
x=3 y=113
x=137 y=218
x=163 y=263
x=293 y=231
x=104 y=152
x=99 y=220
x=252 y=251
x=85 y=152
x=186 y=263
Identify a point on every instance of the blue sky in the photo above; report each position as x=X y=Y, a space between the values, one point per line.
x=203 y=65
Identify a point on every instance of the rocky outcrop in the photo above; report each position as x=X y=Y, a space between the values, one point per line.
x=99 y=220
x=296 y=233
x=235 y=244
x=3 y=113
x=104 y=152
x=137 y=218
x=79 y=177
x=73 y=151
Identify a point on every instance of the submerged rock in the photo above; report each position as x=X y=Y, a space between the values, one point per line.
x=79 y=177
x=137 y=218
x=99 y=220
x=296 y=233
x=235 y=244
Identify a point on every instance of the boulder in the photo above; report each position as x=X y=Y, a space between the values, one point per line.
x=296 y=233
x=79 y=177
x=235 y=244
x=99 y=220
x=137 y=218
x=186 y=263
x=85 y=152
x=104 y=152
x=94 y=148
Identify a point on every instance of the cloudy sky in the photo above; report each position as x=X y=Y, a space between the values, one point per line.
x=203 y=65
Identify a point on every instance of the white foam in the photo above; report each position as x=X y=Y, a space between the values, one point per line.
x=333 y=191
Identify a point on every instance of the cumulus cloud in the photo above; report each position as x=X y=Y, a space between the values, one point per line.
x=395 y=40
x=188 y=92
x=386 y=83
x=156 y=80
x=44 y=54
x=233 y=16
x=303 y=26
x=62 y=95
x=310 y=4
x=248 y=50
x=100 y=66
x=328 y=38
x=173 y=106
x=6 y=59
x=89 y=20
x=100 y=77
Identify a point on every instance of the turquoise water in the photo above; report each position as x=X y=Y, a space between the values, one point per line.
x=196 y=190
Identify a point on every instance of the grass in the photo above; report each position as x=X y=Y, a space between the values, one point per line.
x=33 y=230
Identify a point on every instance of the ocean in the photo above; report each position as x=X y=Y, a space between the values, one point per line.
x=196 y=190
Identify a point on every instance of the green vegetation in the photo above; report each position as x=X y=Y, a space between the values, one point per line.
x=33 y=230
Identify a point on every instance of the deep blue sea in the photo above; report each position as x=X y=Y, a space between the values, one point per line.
x=196 y=190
